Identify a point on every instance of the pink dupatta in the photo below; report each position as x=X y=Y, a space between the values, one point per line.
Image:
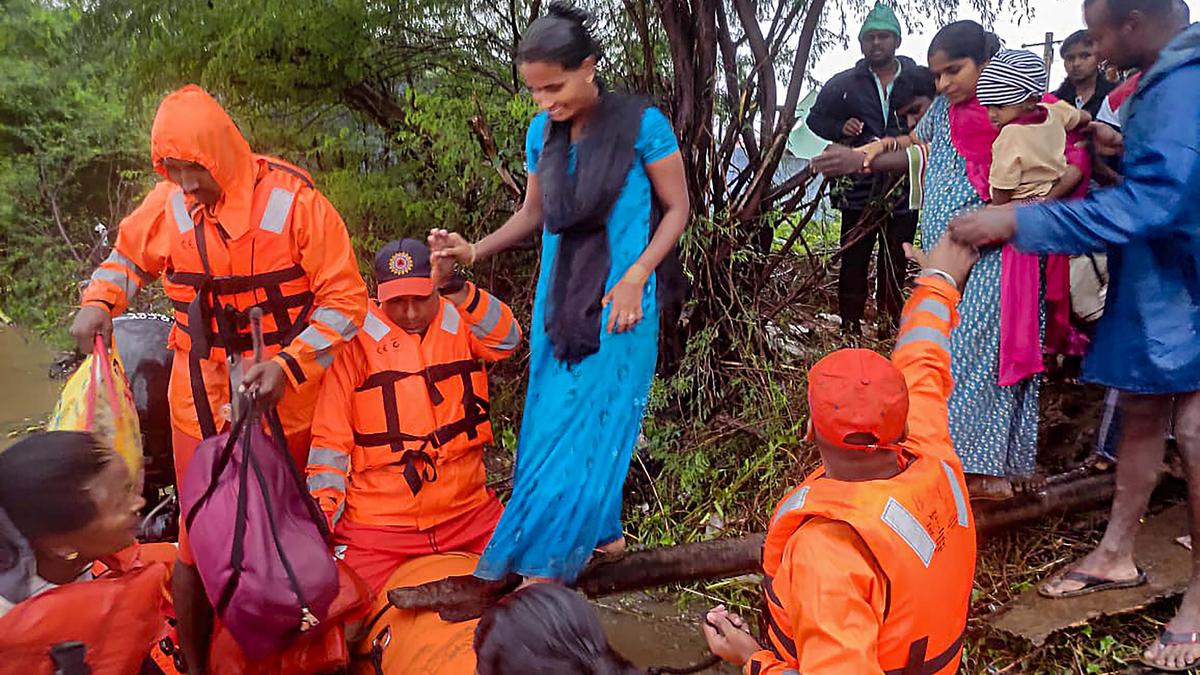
x=1020 y=338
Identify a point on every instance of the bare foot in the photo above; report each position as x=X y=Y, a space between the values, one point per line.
x=1179 y=646
x=613 y=548
x=529 y=581
x=1031 y=484
x=988 y=488
x=1096 y=565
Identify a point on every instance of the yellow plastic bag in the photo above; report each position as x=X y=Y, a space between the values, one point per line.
x=97 y=398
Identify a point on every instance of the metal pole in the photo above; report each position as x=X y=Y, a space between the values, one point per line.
x=1048 y=54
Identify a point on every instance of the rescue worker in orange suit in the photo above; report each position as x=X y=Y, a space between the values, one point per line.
x=868 y=564
x=229 y=230
x=397 y=451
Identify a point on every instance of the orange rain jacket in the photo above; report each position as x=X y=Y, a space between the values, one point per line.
x=402 y=419
x=272 y=242
x=875 y=576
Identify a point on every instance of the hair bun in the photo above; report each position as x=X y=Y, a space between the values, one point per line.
x=564 y=9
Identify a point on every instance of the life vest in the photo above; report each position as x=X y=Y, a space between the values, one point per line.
x=423 y=403
x=411 y=642
x=921 y=531
x=213 y=283
x=115 y=619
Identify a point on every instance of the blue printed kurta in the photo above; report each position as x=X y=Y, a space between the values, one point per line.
x=994 y=428
x=581 y=421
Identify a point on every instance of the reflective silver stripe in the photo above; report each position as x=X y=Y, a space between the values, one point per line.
x=796 y=501
x=918 y=333
x=491 y=319
x=511 y=340
x=337 y=515
x=321 y=344
x=934 y=307
x=182 y=219
x=313 y=338
x=274 y=217
x=325 y=358
x=128 y=286
x=330 y=459
x=320 y=481
x=117 y=259
x=960 y=502
x=336 y=320
x=450 y=318
x=375 y=327
x=789 y=671
x=910 y=530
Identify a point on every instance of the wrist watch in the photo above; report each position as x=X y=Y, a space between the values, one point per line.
x=941 y=274
x=453 y=285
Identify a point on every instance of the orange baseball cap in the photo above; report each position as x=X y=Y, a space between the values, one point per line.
x=858 y=394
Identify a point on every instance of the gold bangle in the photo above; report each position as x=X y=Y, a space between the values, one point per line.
x=473 y=254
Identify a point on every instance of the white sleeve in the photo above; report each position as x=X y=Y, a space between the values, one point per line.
x=1107 y=115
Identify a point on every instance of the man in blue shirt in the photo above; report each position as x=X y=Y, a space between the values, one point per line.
x=1148 y=342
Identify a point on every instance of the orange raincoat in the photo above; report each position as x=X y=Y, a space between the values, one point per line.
x=273 y=242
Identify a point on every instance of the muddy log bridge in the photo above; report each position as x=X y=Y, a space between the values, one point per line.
x=461 y=598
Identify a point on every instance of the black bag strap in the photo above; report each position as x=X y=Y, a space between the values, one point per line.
x=290 y=571
x=280 y=440
x=238 y=553
x=239 y=425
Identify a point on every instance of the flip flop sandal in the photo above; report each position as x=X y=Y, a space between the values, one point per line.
x=1092 y=584
x=1168 y=639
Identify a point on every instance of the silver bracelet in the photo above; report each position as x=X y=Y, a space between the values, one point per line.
x=935 y=272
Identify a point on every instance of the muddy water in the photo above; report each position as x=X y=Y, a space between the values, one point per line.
x=27 y=394
x=655 y=633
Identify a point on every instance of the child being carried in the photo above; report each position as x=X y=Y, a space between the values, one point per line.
x=1028 y=156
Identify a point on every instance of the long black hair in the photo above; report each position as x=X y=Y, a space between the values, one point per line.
x=545 y=629
x=44 y=479
x=561 y=36
x=965 y=40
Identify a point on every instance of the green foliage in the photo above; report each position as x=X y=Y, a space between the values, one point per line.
x=64 y=137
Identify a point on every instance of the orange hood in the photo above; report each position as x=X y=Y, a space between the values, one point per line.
x=191 y=126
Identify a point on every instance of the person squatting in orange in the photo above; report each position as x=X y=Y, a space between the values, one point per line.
x=229 y=230
x=397 y=451
x=868 y=564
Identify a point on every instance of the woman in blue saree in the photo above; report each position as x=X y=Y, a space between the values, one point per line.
x=602 y=168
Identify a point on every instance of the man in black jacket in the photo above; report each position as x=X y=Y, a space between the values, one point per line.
x=1085 y=86
x=855 y=107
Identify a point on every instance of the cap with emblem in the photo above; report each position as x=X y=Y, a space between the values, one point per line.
x=858 y=400
x=402 y=268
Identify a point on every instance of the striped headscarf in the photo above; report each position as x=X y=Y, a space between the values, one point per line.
x=1011 y=77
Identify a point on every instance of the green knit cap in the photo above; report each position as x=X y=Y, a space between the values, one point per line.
x=881 y=18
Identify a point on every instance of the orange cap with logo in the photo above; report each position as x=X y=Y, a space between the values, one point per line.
x=859 y=395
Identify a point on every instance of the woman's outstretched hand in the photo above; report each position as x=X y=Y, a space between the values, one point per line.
x=838 y=160
x=445 y=245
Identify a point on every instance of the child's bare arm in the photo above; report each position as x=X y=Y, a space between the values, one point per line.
x=1066 y=183
x=1000 y=196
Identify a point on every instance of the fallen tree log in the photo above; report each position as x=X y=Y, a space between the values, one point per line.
x=461 y=598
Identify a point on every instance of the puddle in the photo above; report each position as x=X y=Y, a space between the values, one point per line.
x=652 y=633
x=27 y=394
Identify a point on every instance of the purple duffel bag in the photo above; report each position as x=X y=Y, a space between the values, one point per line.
x=260 y=542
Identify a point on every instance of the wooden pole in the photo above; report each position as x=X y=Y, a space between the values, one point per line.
x=462 y=598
